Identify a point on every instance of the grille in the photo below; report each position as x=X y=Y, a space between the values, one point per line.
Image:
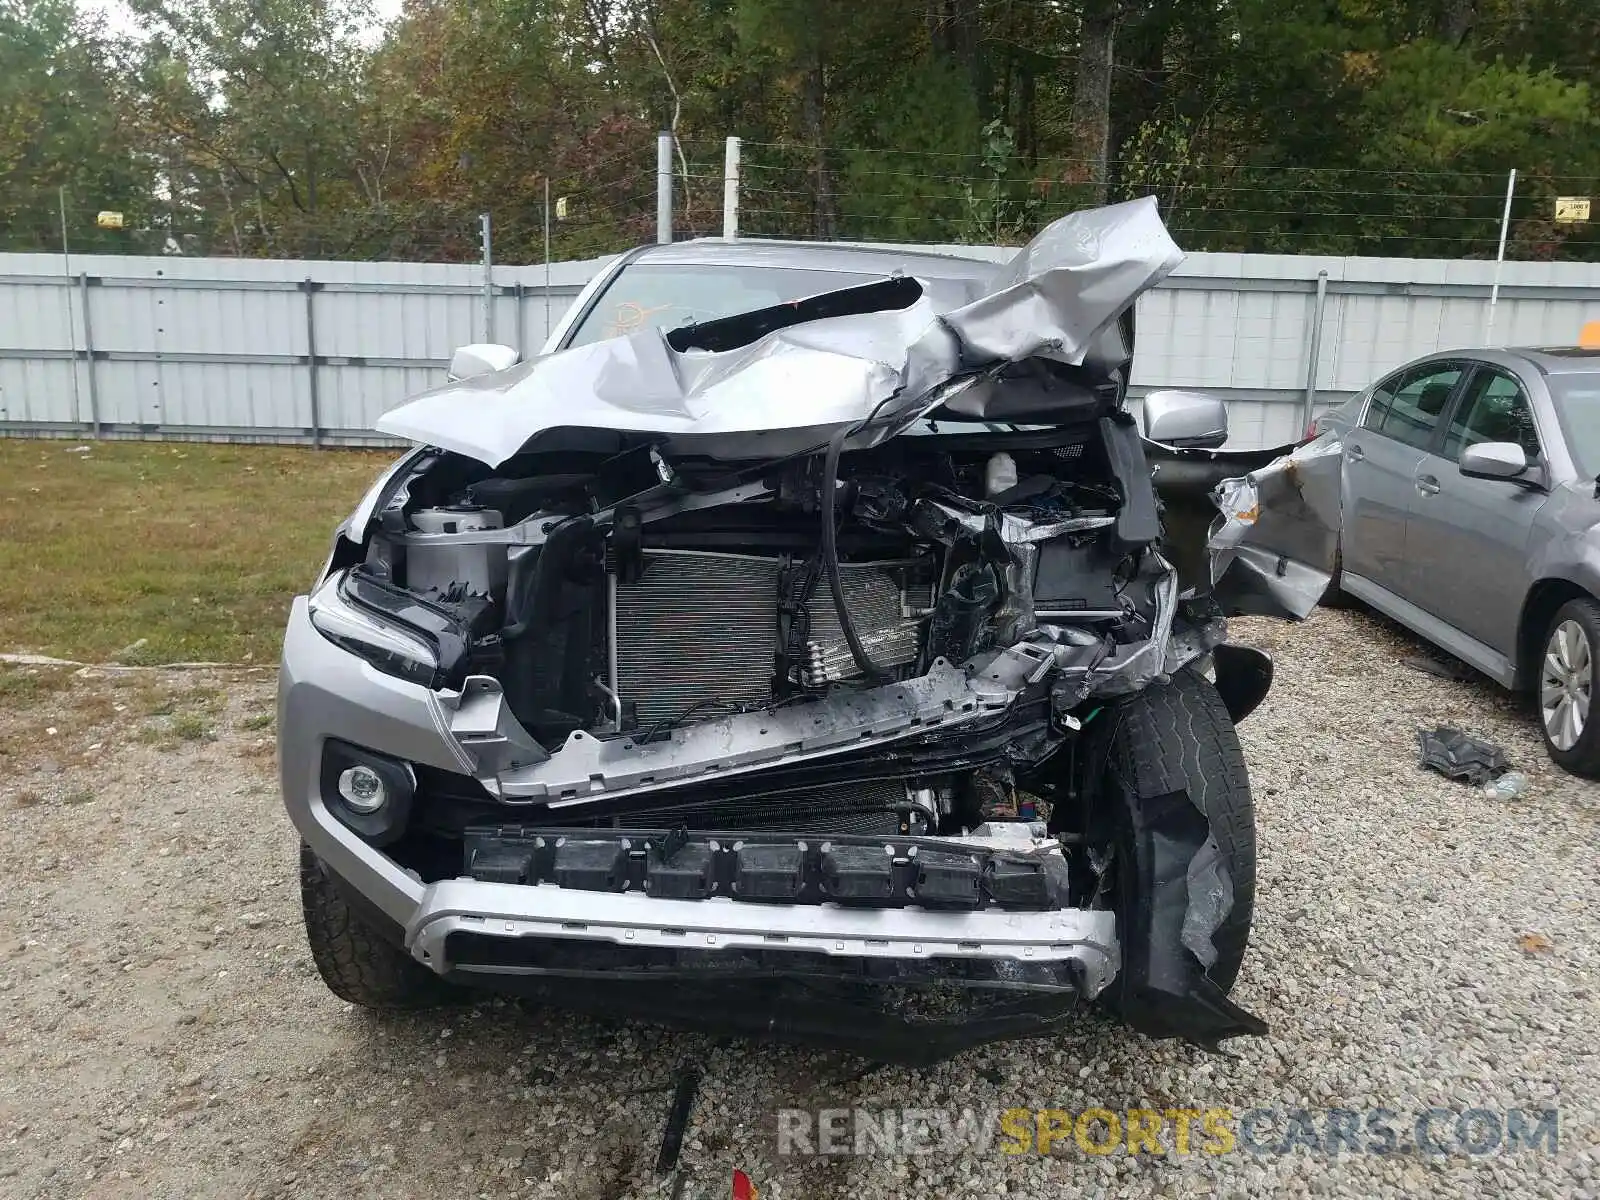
x=700 y=628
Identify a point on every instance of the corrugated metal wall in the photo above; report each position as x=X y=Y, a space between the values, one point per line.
x=243 y=348
x=316 y=351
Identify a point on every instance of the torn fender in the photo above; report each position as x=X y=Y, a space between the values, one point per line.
x=1273 y=546
x=1180 y=896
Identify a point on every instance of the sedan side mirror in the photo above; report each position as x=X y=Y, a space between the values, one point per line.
x=1494 y=460
x=1187 y=420
x=480 y=358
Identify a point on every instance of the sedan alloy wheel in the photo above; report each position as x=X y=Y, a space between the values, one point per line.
x=1566 y=683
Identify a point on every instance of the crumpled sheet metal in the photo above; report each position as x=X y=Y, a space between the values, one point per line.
x=791 y=389
x=1273 y=546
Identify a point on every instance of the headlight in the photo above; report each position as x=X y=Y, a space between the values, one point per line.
x=396 y=632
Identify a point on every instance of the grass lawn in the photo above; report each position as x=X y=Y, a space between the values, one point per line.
x=196 y=548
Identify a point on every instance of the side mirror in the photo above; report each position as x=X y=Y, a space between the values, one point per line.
x=1494 y=460
x=1187 y=420
x=480 y=358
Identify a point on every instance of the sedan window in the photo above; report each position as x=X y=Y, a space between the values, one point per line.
x=1378 y=406
x=1494 y=409
x=1411 y=413
x=1577 y=401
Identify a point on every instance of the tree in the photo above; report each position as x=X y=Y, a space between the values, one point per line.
x=63 y=125
x=298 y=127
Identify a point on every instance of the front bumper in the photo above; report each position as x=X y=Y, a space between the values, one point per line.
x=1085 y=941
x=473 y=929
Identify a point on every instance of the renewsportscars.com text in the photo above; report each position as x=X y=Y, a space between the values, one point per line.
x=1167 y=1131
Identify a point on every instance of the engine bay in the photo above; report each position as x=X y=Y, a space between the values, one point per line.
x=897 y=634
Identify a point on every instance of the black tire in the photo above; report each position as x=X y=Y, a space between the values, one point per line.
x=354 y=958
x=1180 y=738
x=1583 y=756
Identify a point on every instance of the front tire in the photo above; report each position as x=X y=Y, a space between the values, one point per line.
x=1566 y=678
x=354 y=958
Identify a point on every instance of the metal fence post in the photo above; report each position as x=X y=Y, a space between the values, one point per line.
x=66 y=279
x=488 y=281
x=664 y=188
x=730 y=189
x=547 y=325
x=88 y=354
x=518 y=291
x=1315 y=356
x=1499 y=260
x=310 y=289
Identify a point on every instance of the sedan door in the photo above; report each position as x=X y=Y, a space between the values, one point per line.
x=1383 y=457
x=1468 y=537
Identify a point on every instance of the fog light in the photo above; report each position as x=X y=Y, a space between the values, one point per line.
x=362 y=789
x=368 y=792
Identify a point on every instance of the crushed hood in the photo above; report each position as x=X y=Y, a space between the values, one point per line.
x=785 y=383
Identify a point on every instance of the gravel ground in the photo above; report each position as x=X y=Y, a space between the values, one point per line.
x=165 y=1033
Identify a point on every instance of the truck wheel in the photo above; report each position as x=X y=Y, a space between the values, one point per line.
x=1566 y=687
x=354 y=958
x=1180 y=738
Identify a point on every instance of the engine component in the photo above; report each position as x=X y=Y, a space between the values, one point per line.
x=554 y=609
x=447 y=567
x=875 y=807
x=698 y=631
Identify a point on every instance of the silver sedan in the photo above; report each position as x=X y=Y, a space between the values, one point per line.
x=1470 y=487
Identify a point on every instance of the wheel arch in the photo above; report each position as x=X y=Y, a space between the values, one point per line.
x=1539 y=607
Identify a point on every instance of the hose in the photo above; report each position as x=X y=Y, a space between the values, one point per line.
x=830 y=555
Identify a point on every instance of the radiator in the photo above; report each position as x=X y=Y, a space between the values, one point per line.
x=697 y=634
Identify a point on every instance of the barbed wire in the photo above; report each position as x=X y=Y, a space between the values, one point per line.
x=981 y=156
x=872 y=193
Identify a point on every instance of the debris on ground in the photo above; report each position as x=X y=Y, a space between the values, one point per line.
x=1458 y=755
x=1508 y=787
x=678 y=1119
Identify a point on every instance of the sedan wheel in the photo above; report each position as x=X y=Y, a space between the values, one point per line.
x=1565 y=684
x=1566 y=687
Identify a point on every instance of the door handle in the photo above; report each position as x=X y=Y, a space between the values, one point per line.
x=1428 y=485
x=1355 y=454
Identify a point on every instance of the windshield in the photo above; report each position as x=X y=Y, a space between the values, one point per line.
x=661 y=296
x=1577 y=400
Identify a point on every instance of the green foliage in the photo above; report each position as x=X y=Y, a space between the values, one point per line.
x=64 y=123
x=998 y=209
x=294 y=128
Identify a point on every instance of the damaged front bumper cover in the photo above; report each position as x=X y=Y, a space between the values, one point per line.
x=875 y=972
x=918 y=905
x=845 y=950
x=1086 y=939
